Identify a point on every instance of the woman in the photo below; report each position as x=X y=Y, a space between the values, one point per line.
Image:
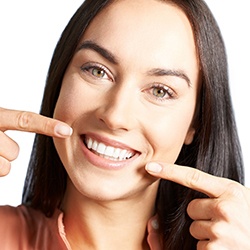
x=143 y=85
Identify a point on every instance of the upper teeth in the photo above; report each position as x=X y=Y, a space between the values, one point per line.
x=108 y=151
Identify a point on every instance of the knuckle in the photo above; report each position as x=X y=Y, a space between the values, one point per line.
x=23 y=119
x=193 y=178
x=207 y=245
x=222 y=209
x=235 y=189
x=217 y=230
x=47 y=125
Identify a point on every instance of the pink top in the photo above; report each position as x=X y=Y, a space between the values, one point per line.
x=25 y=228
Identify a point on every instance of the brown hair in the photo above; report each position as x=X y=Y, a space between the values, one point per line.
x=215 y=148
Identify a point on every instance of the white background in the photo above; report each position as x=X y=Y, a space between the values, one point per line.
x=29 y=32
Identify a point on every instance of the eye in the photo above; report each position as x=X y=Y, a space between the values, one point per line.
x=97 y=71
x=161 y=92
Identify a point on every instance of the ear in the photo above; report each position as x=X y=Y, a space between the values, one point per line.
x=190 y=136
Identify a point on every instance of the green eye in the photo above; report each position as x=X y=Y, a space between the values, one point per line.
x=159 y=92
x=100 y=73
x=97 y=71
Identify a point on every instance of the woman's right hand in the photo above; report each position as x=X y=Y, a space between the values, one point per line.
x=28 y=122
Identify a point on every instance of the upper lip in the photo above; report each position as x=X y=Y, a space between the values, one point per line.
x=110 y=142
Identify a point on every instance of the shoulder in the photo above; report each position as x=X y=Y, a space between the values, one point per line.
x=19 y=217
x=10 y=218
x=27 y=228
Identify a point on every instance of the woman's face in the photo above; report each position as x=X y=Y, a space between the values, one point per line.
x=129 y=94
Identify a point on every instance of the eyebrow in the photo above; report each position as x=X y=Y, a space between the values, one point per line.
x=102 y=51
x=91 y=45
x=170 y=72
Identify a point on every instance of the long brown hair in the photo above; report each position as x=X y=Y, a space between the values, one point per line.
x=215 y=148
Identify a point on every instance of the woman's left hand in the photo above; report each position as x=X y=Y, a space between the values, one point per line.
x=221 y=221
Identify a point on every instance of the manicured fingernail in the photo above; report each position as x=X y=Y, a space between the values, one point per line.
x=153 y=167
x=63 y=130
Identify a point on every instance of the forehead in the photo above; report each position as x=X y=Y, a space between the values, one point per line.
x=148 y=17
x=146 y=30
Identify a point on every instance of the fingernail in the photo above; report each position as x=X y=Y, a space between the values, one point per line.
x=155 y=224
x=63 y=130
x=153 y=167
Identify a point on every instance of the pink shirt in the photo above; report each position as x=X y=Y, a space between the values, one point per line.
x=25 y=228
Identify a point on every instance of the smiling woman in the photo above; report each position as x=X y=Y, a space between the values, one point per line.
x=134 y=87
x=121 y=78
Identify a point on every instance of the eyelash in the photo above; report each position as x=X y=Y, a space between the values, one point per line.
x=90 y=67
x=168 y=92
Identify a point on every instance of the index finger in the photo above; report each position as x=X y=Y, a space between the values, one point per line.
x=195 y=179
x=32 y=122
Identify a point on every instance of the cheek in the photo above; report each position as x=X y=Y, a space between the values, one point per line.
x=69 y=103
x=64 y=109
x=76 y=98
x=167 y=136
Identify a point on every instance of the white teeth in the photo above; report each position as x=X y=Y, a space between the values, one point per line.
x=108 y=151
x=122 y=154
x=94 y=145
x=101 y=148
x=89 y=143
x=117 y=153
x=128 y=155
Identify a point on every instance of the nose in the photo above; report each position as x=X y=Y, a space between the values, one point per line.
x=118 y=110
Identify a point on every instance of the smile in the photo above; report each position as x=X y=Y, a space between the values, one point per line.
x=107 y=151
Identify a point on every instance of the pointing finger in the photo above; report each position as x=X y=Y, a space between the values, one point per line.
x=192 y=178
x=32 y=122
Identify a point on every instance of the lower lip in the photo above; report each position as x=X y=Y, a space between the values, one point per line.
x=104 y=163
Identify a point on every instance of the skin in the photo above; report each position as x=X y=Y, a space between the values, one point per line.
x=220 y=221
x=96 y=198
x=27 y=122
x=129 y=79
x=94 y=102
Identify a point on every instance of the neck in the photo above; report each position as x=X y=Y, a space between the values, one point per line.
x=119 y=224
